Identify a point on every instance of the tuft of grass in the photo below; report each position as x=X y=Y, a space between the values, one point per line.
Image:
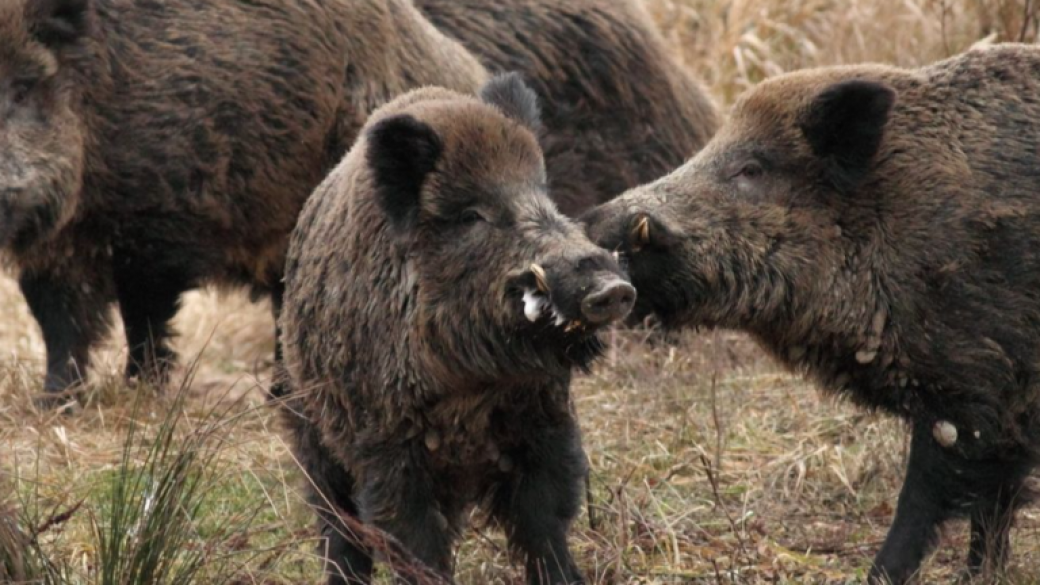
x=171 y=509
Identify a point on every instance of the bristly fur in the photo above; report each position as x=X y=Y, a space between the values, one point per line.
x=909 y=284
x=420 y=386
x=178 y=142
x=619 y=110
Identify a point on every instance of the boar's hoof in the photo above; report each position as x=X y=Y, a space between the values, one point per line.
x=945 y=433
x=611 y=302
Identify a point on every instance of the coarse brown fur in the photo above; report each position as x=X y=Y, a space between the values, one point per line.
x=879 y=229
x=419 y=386
x=619 y=110
x=153 y=147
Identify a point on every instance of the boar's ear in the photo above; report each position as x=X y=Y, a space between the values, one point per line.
x=402 y=152
x=58 y=23
x=513 y=98
x=844 y=126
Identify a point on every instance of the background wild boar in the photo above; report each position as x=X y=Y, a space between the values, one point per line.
x=877 y=228
x=149 y=148
x=153 y=148
x=619 y=109
x=436 y=304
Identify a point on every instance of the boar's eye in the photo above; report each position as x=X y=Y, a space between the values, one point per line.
x=470 y=217
x=751 y=170
x=21 y=89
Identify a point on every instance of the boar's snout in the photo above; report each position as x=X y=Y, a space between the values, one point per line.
x=611 y=301
x=618 y=228
x=578 y=291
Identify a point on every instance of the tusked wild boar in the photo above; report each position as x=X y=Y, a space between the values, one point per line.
x=878 y=228
x=148 y=148
x=618 y=109
x=436 y=305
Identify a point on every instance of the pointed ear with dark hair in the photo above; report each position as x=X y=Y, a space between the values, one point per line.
x=845 y=125
x=513 y=98
x=59 y=23
x=402 y=152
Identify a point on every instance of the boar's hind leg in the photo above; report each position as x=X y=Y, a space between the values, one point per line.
x=149 y=292
x=921 y=510
x=540 y=499
x=999 y=487
x=990 y=535
x=73 y=316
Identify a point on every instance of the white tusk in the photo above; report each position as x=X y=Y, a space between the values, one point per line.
x=540 y=278
x=642 y=231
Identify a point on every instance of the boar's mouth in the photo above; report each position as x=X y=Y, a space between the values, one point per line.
x=540 y=311
x=606 y=300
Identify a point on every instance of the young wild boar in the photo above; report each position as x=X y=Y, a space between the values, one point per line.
x=878 y=228
x=148 y=148
x=618 y=109
x=436 y=304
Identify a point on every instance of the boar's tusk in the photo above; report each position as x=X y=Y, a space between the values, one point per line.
x=572 y=326
x=945 y=433
x=540 y=278
x=641 y=232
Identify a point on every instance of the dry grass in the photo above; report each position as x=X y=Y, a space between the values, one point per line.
x=709 y=464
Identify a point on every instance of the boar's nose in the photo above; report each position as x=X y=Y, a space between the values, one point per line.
x=611 y=302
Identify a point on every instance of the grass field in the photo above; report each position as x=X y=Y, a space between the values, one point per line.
x=710 y=465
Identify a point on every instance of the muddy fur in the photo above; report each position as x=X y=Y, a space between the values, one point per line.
x=153 y=147
x=419 y=386
x=618 y=109
x=878 y=229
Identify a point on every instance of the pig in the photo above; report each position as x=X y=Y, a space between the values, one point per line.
x=878 y=229
x=149 y=148
x=437 y=304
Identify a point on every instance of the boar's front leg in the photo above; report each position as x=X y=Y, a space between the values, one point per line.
x=72 y=313
x=149 y=291
x=331 y=493
x=399 y=496
x=921 y=510
x=540 y=499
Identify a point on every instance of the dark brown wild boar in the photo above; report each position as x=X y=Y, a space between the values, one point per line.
x=878 y=228
x=618 y=109
x=148 y=148
x=436 y=304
